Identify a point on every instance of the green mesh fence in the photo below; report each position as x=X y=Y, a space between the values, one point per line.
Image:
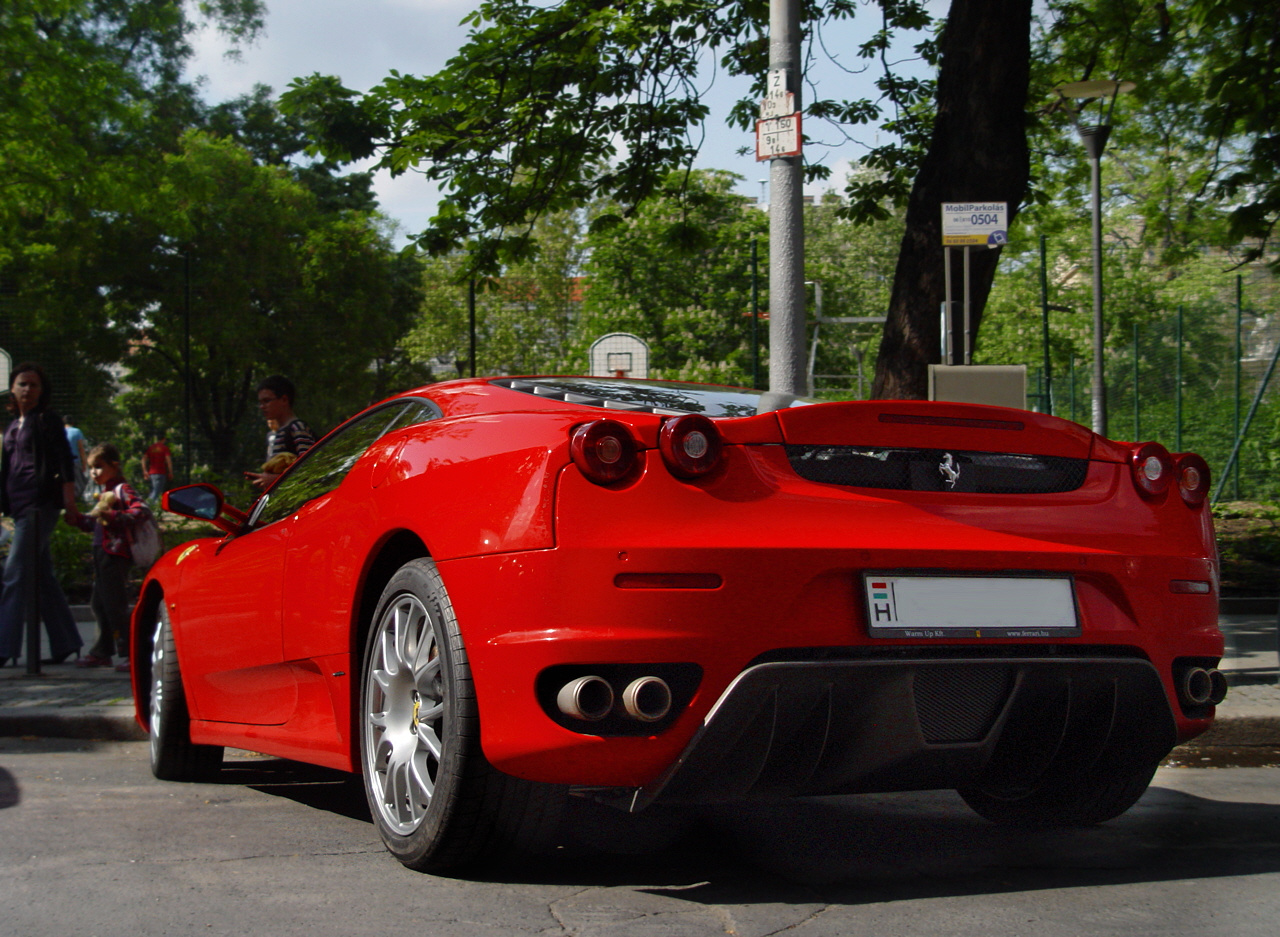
x=1199 y=376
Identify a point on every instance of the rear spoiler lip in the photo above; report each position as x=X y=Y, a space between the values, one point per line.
x=923 y=424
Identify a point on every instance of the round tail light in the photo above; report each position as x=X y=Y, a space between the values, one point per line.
x=603 y=450
x=690 y=445
x=1193 y=478
x=1153 y=469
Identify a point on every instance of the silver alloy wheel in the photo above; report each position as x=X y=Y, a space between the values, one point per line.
x=157 y=684
x=404 y=713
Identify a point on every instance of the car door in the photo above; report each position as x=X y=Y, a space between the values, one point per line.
x=228 y=629
x=330 y=532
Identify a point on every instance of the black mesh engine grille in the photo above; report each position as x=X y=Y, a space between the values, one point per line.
x=954 y=705
x=937 y=469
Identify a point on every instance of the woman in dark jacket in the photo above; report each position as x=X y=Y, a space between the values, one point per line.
x=37 y=476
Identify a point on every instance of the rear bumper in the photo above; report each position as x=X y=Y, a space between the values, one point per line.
x=836 y=727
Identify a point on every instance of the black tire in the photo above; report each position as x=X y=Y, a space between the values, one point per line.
x=1086 y=799
x=174 y=757
x=436 y=801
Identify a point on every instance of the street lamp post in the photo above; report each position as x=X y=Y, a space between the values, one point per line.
x=1094 y=138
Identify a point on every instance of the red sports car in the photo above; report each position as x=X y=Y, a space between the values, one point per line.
x=486 y=595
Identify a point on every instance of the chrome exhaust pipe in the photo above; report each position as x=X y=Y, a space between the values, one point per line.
x=1217 y=686
x=588 y=698
x=1195 y=686
x=647 y=699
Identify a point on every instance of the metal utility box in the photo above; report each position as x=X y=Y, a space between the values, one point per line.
x=1000 y=385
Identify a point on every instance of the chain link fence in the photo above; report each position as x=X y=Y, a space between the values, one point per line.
x=1191 y=360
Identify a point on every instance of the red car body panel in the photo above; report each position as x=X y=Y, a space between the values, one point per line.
x=268 y=624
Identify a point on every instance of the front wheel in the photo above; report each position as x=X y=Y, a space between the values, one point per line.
x=174 y=757
x=437 y=803
x=1086 y=799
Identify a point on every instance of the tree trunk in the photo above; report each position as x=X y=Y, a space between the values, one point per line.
x=978 y=153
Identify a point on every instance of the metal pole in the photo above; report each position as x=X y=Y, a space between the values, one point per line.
x=31 y=591
x=1073 y=388
x=1253 y=408
x=186 y=366
x=786 y=220
x=1044 y=319
x=755 y=314
x=1239 y=375
x=471 y=322
x=1095 y=141
x=1177 y=390
x=949 y=344
x=1137 y=426
x=968 y=328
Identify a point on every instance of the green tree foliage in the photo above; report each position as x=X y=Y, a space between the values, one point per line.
x=553 y=106
x=854 y=263
x=90 y=86
x=526 y=319
x=1194 y=146
x=523 y=119
x=549 y=107
x=118 y=210
x=265 y=282
x=678 y=274
x=90 y=94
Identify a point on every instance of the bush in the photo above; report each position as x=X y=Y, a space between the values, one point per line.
x=1249 y=544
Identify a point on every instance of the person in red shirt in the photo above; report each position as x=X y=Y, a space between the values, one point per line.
x=159 y=464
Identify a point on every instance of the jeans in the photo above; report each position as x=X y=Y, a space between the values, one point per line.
x=157 y=487
x=64 y=636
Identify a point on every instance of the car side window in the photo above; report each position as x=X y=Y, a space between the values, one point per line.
x=326 y=464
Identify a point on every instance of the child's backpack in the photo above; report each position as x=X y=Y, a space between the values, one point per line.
x=145 y=545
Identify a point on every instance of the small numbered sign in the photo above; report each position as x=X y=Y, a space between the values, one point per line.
x=778 y=136
x=783 y=105
x=976 y=223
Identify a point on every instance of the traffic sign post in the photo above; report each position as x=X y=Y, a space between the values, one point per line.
x=967 y=225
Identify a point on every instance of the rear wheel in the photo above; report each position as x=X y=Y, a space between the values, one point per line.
x=437 y=803
x=1087 y=798
x=174 y=757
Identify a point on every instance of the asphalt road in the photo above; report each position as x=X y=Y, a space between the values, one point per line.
x=90 y=844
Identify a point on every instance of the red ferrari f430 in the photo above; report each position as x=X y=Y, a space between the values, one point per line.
x=485 y=596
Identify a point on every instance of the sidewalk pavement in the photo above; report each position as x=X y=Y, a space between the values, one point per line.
x=67 y=702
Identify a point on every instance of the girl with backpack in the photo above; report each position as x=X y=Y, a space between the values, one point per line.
x=112 y=521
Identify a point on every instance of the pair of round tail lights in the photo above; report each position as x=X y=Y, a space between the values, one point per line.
x=606 y=452
x=1156 y=470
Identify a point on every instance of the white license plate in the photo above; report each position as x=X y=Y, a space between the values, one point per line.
x=921 y=606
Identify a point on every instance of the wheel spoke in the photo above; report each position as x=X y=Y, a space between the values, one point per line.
x=429 y=740
x=422 y=784
x=407 y=624
x=397 y=791
x=387 y=650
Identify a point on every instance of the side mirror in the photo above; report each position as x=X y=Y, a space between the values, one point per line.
x=203 y=503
